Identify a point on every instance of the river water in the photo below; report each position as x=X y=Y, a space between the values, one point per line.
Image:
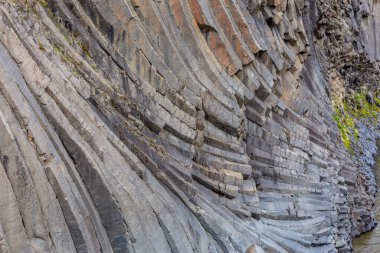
x=370 y=242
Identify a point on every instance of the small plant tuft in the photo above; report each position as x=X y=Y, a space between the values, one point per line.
x=40 y=46
x=85 y=50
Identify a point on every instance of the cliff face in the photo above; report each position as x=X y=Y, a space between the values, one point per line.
x=181 y=125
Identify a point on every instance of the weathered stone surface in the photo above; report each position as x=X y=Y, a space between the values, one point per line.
x=181 y=126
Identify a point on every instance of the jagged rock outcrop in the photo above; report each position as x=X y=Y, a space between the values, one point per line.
x=180 y=125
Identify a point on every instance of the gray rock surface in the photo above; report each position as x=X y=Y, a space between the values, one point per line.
x=182 y=125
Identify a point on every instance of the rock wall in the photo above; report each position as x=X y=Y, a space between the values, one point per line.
x=180 y=125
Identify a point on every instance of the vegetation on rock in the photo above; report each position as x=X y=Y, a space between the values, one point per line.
x=360 y=105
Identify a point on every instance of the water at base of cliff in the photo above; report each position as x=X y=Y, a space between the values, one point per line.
x=370 y=242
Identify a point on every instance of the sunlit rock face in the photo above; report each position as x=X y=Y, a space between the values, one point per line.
x=181 y=125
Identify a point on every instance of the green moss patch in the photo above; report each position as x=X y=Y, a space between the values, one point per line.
x=354 y=107
x=346 y=127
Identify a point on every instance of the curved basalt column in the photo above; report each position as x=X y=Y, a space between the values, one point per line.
x=174 y=126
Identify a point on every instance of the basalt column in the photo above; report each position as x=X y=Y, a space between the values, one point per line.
x=180 y=125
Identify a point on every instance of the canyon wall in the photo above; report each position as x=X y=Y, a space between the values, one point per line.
x=182 y=125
